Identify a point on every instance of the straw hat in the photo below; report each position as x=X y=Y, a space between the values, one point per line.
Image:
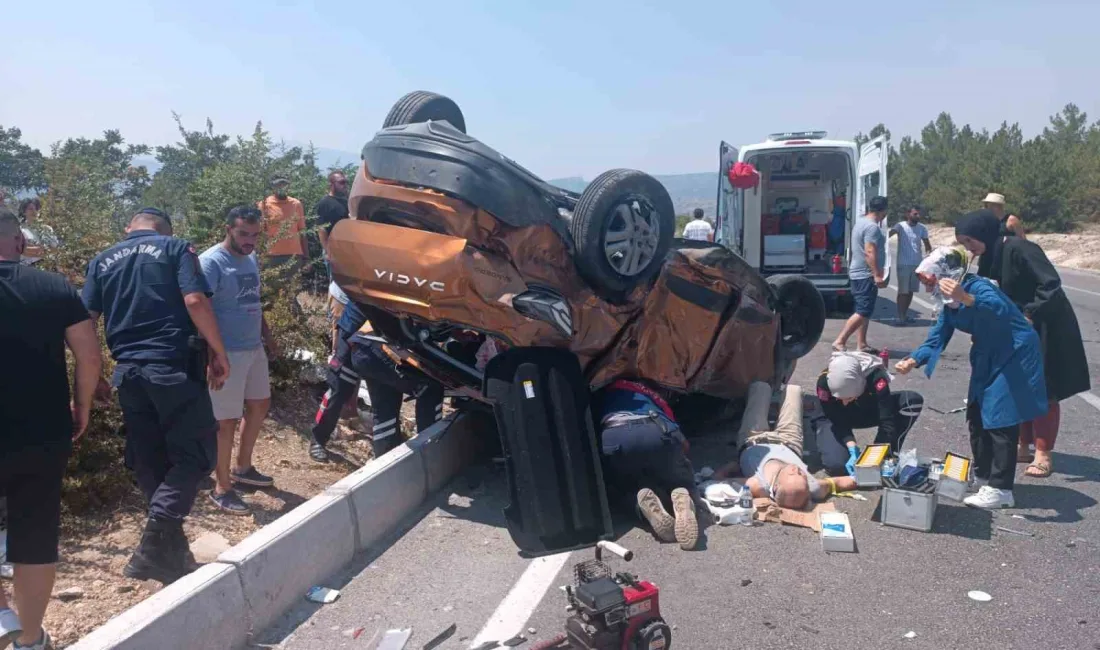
x=993 y=197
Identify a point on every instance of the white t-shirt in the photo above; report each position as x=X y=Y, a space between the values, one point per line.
x=699 y=230
x=909 y=242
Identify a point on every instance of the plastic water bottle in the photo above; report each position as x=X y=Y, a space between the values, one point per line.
x=744 y=501
x=889 y=468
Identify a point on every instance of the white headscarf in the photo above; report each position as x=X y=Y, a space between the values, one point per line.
x=848 y=373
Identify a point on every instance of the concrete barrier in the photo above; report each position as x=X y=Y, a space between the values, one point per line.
x=280 y=562
x=446 y=450
x=252 y=584
x=205 y=609
x=382 y=493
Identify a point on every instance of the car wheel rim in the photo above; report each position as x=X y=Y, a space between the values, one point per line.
x=631 y=236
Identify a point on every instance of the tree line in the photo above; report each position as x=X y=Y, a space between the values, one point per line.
x=1051 y=181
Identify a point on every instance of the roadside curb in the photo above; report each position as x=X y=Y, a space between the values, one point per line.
x=222 y=604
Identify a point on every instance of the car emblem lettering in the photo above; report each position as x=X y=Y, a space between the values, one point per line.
x=401 y=278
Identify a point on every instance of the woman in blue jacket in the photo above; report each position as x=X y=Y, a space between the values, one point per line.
x=1007 y=386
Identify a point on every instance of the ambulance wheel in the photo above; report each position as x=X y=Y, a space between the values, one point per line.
x=801 y=312
x=422 y=106
x=654 y=635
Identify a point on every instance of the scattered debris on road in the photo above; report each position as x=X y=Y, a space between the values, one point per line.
x=395 y=639
x=910 y=634
x=441 y=637
x=1014 y=532
x=979 y=596
x=322 y=595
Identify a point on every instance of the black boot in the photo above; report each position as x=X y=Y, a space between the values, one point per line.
x=380 y=446
x=158 y=557
x=182 y=547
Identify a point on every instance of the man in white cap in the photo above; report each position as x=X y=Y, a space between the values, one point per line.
x=1011 y=224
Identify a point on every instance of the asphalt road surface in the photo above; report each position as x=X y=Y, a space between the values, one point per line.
x=456 y=563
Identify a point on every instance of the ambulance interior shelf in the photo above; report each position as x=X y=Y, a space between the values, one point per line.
x=794 y=238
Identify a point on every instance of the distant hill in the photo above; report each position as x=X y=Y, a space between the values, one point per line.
x=688 y=191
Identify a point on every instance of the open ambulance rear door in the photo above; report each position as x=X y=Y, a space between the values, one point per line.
x=729 y=227
x=871 y=182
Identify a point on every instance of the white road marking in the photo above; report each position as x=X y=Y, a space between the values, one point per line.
x=917 y=299
x=1091 y=399
x=1091 y=293
x=511 y=615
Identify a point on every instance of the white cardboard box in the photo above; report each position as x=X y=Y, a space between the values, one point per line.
x=836 y=533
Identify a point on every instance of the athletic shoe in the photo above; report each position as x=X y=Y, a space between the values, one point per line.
x=44 y=643
x=653 y=511
x=10 y=629
x=991 y=498
x=317 y=452
x=251 y=477
x=687 y=526
x=230 y=502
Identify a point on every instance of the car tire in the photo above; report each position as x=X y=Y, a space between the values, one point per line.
x=801 y=313
x=424 y=106
x=636 y=211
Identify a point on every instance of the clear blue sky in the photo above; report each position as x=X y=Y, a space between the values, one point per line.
x=563 y=87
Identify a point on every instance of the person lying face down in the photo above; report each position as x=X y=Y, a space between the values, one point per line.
x=772 y=458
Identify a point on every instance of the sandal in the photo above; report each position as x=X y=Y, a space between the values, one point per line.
x=1042 y=470
x=868 y=350
x=839 y=348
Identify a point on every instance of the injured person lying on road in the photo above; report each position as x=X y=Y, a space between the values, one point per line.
x=855 y=394
x=771 y=459
x=645 y=460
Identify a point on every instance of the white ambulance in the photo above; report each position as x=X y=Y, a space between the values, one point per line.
x=789 y=222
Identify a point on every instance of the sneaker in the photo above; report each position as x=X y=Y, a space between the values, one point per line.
x=251 y=477
x=991 y=498
x=317 y=452
x=653 y=511
x=687 y=526
x=230 y=502
x=977 y=484
x=10 y=629
x=44 y=643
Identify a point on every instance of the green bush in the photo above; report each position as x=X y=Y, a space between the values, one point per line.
x=93 y=188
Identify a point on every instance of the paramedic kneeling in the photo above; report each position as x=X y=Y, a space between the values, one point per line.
x=154 y=299
x=855 y=394
x=645 y=455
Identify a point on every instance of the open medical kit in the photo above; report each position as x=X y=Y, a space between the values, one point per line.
x=869 y=465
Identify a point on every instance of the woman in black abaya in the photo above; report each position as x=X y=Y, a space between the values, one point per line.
x=1027 y=277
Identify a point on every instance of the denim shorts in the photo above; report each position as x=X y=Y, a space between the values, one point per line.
x=864 y=294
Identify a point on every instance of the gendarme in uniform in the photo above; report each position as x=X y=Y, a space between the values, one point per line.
x=139 y=286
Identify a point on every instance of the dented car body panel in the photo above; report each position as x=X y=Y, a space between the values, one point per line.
x=705 y=324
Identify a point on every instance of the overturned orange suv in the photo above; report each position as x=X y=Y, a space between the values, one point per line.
x=452 y=245
x=527 y=298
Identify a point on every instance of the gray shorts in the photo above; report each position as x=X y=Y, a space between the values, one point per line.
x=907 y=280
x=248 y=380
